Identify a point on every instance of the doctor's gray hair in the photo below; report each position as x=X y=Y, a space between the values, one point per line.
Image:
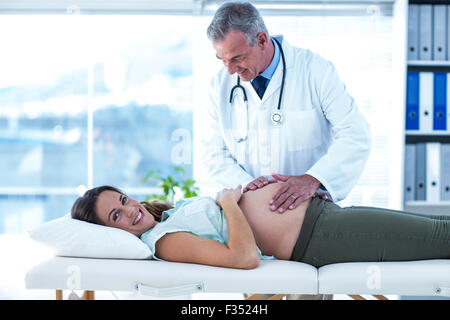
x=237 y=16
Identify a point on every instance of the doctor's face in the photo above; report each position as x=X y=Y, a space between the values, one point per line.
x=119 y=211
x=240 y=57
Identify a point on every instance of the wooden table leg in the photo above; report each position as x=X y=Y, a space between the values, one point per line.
x=356 y=297
x=59 y=294
x=88 y=295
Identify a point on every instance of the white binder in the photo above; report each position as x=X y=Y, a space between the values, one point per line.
x=445 y=172
x=433 y=175
x=426 y=82
x=410 y=172
x=439 y=32
x=413 y=32
x=425 y=31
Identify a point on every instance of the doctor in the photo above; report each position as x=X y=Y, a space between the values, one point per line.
x=279 y=109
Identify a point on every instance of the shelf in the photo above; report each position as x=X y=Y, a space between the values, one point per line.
x=425 y=207
x=429 y=2
x=424 y=137
x=427 y=204
x=428 y=134
x=429 y=63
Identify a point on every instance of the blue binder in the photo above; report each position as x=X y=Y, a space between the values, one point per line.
x=412 y=101
x=440 y=101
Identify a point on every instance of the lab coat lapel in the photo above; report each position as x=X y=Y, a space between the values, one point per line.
x=275 y=82
x=251 y=94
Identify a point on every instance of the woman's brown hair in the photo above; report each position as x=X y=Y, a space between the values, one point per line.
x=84 y=207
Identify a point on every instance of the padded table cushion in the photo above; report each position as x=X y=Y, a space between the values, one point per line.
x=414 y=278
x=272 y=276
x=422 y=278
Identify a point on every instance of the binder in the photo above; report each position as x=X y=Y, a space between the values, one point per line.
x=439 y=32
x=421 y=165
x=448 y=32
x=445 y=172
x=447 y=116
x=410 y=172
x=440 y=101
x=433 y=174
x=412 y=101
x=413 y=32
x=426 y=81
x=425 y=31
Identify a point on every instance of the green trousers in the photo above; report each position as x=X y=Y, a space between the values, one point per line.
x=367 y=234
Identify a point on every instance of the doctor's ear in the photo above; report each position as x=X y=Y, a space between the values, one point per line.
x=262 y=39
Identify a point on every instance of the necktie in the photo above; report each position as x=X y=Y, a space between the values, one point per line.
x=259 y=83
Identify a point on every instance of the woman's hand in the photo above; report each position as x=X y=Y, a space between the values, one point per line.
x=228 y=195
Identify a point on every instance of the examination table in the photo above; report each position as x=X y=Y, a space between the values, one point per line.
x=274 y=277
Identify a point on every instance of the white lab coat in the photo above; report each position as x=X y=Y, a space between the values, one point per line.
x=323 y=133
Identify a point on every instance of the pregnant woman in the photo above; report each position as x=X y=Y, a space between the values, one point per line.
x=237 y=230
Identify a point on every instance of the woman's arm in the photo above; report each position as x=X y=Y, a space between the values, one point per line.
x=240 y=251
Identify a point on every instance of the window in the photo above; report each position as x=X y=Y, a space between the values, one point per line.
x=88 y=101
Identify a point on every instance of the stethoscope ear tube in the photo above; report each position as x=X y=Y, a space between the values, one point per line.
x=277 y=116
x=283 y=60
x=238 y=86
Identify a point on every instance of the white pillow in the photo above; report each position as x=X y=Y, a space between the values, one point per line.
x=76 y=238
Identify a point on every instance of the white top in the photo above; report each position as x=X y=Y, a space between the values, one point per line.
x=198 y=215
x=323 y=133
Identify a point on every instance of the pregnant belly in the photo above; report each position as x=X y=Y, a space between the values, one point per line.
x=275 y=233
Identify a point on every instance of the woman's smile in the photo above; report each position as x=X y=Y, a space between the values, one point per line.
x=139 y=217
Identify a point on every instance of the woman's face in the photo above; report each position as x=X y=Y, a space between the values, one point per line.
x=117 y=210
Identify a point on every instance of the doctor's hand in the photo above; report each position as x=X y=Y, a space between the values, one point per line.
x=258 y=183
x=294 y=191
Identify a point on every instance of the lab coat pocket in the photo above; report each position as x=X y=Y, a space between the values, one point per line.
x=303 y=130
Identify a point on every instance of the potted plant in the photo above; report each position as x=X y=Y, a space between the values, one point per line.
x=169 y=185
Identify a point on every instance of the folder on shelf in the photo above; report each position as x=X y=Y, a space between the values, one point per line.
x=421 y=165
x=448 y=32
x=413 y=32
x=447 y=100
x=412 y=101
x=445 y=172
x=433 y=174
x=426 y=81
x=440 y=101
x=410 y=172
x=425 y=31
x=439 y=32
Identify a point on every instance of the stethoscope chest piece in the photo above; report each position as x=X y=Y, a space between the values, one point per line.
x=277 y=118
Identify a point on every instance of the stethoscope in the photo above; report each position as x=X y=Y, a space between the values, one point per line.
x=276 y=116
